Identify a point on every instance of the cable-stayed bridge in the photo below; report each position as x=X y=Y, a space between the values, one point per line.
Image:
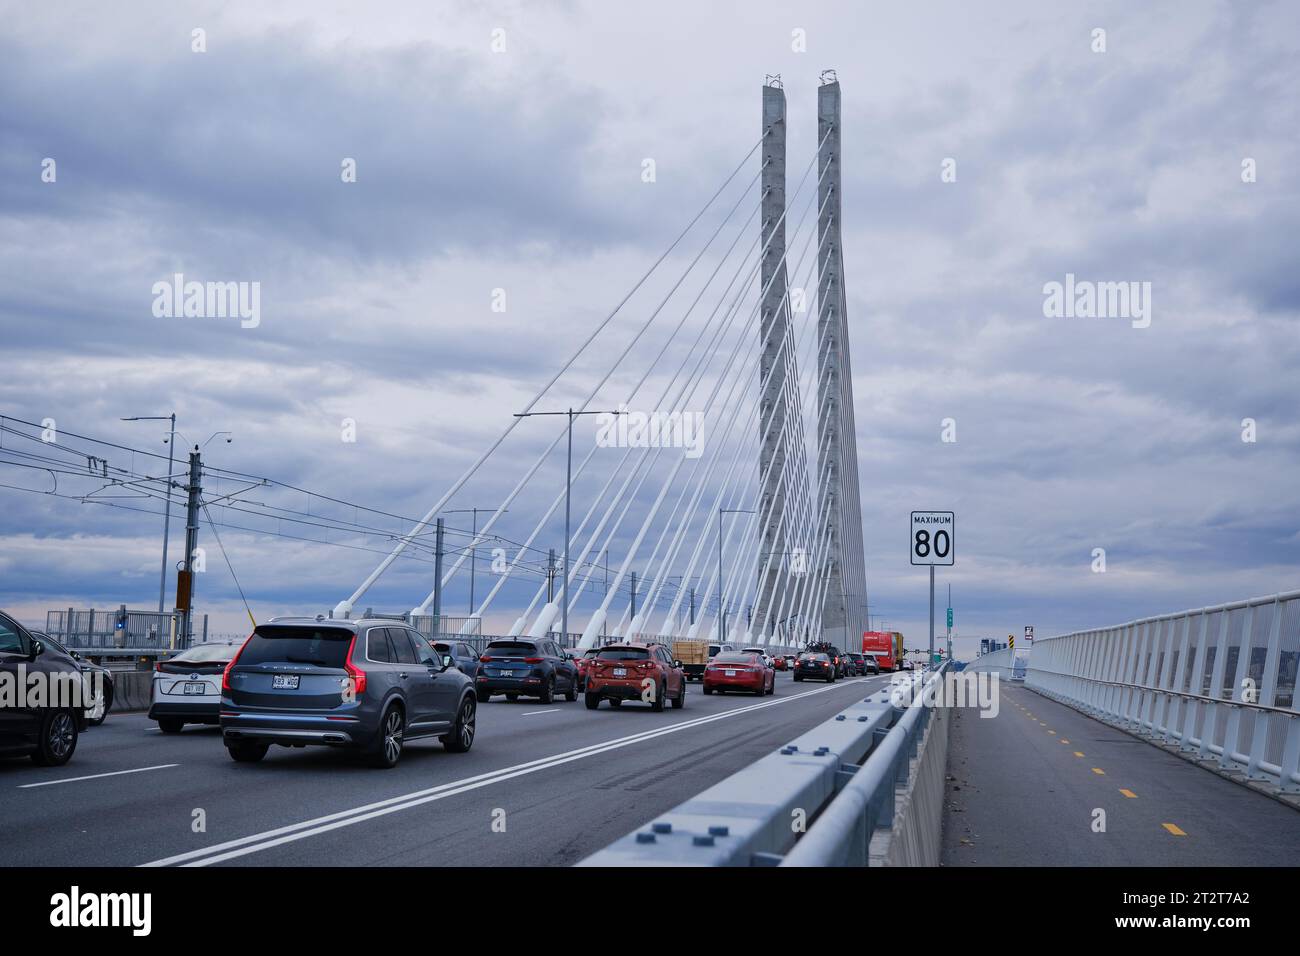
x=723 y=481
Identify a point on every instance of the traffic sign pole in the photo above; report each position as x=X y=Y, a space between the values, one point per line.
x=932 y=613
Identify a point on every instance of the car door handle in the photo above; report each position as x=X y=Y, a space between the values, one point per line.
x=402 y=674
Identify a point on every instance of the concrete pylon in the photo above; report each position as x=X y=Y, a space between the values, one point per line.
x=843 y=609
x=774 y=319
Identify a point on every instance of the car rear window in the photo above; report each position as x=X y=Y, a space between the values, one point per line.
x=734 y=659
x=815 y=657
x=206 y=652
x=511 y=647
x=322 y=646
x=623 y=654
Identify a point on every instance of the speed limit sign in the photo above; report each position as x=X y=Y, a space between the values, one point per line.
x=932 y=537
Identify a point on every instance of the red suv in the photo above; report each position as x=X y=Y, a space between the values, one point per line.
x=631 y=670
x=739 y=671
x=583 y=660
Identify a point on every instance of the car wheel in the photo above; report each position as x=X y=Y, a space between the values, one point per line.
x=797 y=678
x=57 y=740
x=247 y=752
x=512 y=697
x=548 y=691
x=708 y=691
x=103 y=704
x=572 y=693
x=680 y=700
x=170 y=725
x=615 y=702
x=483 y=696
x=657 y=702
x=387 y=748
x=591 y=700
x=461 y=737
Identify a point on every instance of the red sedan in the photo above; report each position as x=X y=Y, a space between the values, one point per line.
x=739 y=671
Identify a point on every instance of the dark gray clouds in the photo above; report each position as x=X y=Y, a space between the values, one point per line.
x=521 y=170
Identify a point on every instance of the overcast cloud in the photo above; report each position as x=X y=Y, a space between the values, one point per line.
x=522 y=171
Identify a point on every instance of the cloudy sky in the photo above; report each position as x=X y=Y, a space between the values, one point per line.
x=501 y=146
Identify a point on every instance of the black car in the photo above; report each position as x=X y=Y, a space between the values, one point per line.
x=815 y=666
x=861 y=665
x=101 y=679
x=48 y=732
x=463 y=657
x=368 y=685
x=526 y=667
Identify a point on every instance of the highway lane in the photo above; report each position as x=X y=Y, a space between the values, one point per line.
x=1024 y=788
x=563 y=780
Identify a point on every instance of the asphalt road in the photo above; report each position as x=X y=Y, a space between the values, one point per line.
x=543 y=786
x=1024 y=788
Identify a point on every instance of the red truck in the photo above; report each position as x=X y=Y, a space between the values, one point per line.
x=885 y=646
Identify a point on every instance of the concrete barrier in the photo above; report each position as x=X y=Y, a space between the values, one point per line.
x=132 y=691
x=915 y=837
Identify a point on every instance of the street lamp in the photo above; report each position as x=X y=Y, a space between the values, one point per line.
x=568 y=490
x=473 y=551
x=722 y=612
x=167 y=502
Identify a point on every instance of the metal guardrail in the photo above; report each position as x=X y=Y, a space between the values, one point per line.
x=1217 y=682
x=753 y=817
x=94 y=631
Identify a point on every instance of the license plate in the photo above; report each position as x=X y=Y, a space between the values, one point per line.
x=620 y=671
x=731 y=673
x=284 y=682
x=195 y=687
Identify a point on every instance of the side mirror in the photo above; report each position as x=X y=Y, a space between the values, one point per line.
x=447 y=661
x=677 y=664
x=37 y=649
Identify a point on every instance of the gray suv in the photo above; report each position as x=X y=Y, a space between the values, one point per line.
x=368 y=685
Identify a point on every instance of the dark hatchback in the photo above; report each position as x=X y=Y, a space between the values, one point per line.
x=815 y=667
x=364 y=685
x=526 y=667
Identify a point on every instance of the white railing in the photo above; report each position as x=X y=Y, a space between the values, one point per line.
x=1218 y=682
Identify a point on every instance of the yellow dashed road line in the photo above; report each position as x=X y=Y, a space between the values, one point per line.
x=1078 y=753
x=1128 y=793
x=1174 y=829
x=1098 y=770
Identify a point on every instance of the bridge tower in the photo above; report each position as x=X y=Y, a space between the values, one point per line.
x=839 y=501
x=774 y=320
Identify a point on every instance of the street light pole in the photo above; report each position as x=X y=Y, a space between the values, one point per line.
x=167 y=502
x=570 y=415
x=722 y=612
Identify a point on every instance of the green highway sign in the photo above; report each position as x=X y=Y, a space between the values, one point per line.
x=949 y=618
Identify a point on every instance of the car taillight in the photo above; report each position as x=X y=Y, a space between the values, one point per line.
x=484 y=659
x=357 y=674
x=534 y=660
x=225 y=674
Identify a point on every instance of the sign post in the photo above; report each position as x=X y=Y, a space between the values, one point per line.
x=932 y=544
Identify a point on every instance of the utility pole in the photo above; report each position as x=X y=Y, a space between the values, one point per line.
x=167 y=502
x=185 y=582
x=550 y=576
x=633 y=596
x=437 y=577
x=473 y=548
x=692 y=605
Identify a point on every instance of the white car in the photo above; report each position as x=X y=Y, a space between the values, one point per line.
x=187 y=687
x=767 y=660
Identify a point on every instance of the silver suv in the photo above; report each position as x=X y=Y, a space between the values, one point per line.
x=368 y=685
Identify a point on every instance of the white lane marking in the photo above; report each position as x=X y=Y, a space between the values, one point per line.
x=534 y=713
x=96 y=776
x=333 y=821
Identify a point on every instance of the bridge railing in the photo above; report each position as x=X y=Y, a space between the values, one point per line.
x=820 y=800
x=1217 y=682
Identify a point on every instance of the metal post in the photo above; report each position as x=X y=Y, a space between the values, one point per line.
x=931 y=612
x=437 y=578
x=568 y=491
x=946 y=624
x=633 y=596
x=550 y=575
x=473 y=555
x=167 y=515
x=692 y=605
x=722 y=614
x=191 y=538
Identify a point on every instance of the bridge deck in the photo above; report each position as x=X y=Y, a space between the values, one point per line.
x=1019 y=794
